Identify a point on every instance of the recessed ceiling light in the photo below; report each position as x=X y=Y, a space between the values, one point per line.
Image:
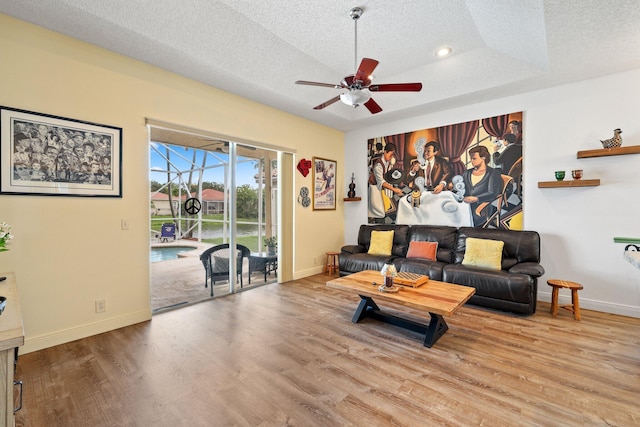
x=443 y=51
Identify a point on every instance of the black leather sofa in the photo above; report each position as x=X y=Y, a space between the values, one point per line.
x=513 y=288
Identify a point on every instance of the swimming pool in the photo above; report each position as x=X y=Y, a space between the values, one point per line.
x=168 y=252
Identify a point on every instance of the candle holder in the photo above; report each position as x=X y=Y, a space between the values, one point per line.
x=389 y=271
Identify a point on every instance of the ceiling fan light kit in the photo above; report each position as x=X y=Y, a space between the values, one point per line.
x=355 y=97
x=358 y=85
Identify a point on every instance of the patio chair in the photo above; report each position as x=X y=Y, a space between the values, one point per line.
x=216 y=263
x=167 y=232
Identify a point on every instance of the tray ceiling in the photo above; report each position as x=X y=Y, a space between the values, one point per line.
x=258 y=49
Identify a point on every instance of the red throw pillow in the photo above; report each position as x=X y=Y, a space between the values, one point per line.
x=423 y=250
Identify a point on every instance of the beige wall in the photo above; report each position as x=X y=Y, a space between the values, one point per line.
x=68 y=251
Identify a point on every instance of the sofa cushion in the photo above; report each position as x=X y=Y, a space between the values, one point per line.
x=521 y=246
x=483 y=253
x=381 y=243
x=400 y=236
x=423 y=250
x=433 y=269
x=499 y=285
x=360 y=262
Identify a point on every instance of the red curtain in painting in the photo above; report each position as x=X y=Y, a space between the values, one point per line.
x=454 y=139
x=399 y=140
x=496 y=126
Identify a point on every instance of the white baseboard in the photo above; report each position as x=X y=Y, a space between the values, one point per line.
x=589 y=304
x=301 y=274
x=72 y=334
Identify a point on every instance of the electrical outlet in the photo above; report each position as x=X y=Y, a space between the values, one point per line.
x=101 y=306
x=124 y=224
x=315 y=260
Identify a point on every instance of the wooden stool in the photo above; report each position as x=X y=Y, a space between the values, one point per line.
x=331 y=265
x=575 y=304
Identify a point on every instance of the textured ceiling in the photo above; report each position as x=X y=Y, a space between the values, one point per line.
x=258 y=49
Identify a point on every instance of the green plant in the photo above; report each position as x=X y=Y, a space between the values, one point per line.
x=5 y=235
x=271 y=241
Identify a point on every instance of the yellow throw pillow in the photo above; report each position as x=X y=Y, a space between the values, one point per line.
x=483 y=253
x=381 y=243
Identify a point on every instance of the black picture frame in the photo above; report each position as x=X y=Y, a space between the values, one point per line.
x=47 y=155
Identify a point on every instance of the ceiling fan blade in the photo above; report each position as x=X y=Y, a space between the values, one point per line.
x=396 y=87
x=372 y=106
x=365 y=70
x=304 y=82
x=327 y=103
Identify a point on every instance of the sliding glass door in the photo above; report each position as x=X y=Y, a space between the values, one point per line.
x=211 y=192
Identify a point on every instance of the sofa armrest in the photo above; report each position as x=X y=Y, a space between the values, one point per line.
x=353 y=249
x=531 y=268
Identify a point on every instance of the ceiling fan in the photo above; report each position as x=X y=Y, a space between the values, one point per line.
x=358 y=86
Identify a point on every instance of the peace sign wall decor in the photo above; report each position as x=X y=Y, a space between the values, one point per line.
x=192 y=206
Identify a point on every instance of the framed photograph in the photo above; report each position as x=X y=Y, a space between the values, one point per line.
x=324 y=184
x=56 y=156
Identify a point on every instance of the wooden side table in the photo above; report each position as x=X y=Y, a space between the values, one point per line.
x=575 y=304
x=332 y=264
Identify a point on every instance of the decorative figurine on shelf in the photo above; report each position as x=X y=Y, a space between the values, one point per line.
x=352 y=187
x=614 y=142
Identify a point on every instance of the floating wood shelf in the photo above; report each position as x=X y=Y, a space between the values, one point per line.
x=634 y=149
x=352 y=199
x=572 y=183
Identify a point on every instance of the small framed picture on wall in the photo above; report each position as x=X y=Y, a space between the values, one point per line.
x=324 y=184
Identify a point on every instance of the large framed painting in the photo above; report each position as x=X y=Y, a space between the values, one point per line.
x=41 y=154
x=324 y=184
x=464 y=174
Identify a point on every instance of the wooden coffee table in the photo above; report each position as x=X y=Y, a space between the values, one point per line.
x=437 y=298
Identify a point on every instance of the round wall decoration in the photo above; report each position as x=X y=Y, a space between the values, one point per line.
x=304 y=198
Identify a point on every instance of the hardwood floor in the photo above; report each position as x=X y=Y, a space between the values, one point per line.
x=289 y=355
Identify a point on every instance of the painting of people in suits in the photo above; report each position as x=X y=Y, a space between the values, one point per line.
x=465 y=174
